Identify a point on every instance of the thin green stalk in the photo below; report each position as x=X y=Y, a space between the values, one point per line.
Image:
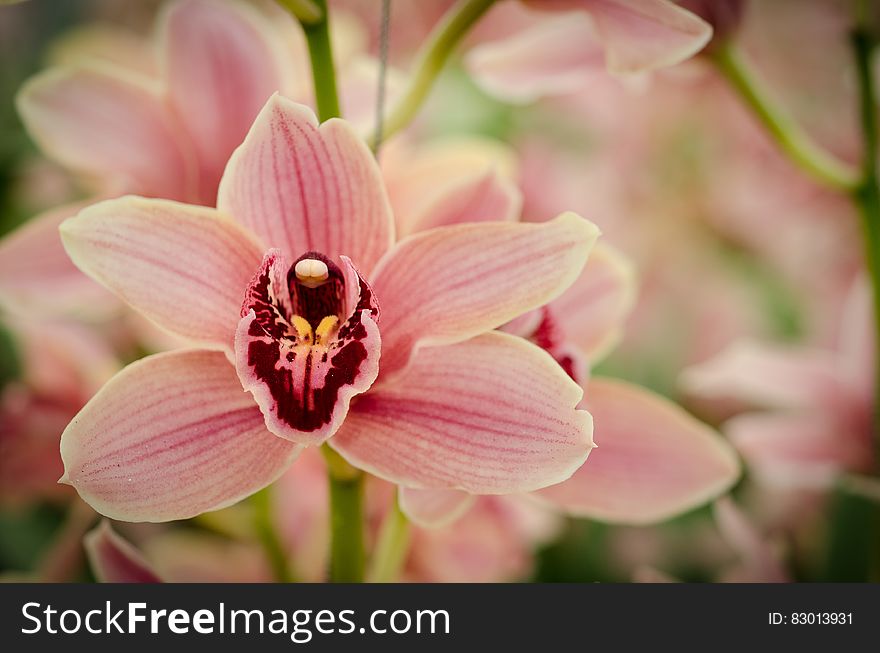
x=307 y=12
x=866 y=195
x=854 y=550
x=264 y=526
x=391 y=548
x=792 y=140
x=316 y=25
x=430 y=61
x=346 y=519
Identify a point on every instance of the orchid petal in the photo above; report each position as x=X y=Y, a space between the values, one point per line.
x=421 y=180
x=452 y=283
x=592 y=312
x=169 y=437
x=109 y=124
x=491 y=415
x=184 y=267
x=107 y=44
x=766 y=375
x=556 y=56
x=114 y=560
x=221 y=62
x=194 y=556
x=488 y=197
x=802 y=449
x=641 y=35
x=652 y=460
x=36 y=274
x=432 y=508
x=301 y=187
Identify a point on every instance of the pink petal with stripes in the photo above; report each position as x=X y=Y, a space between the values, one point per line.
x=306 y=350
x=592 y=312
x=110 y=125
x=184 y=267
x=491 y=415
x=36 y=274
x=432 y=508
x=301 y=187
x=221 y=62
x=115 y=560
x=171 y=436
x=452 y=283
x=652 y=460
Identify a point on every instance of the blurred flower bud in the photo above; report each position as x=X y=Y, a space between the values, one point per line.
x=725 y=17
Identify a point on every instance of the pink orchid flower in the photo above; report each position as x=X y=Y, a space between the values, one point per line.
x=456 y=407
x=563 y=51
x=822 y=401
x=653 y=460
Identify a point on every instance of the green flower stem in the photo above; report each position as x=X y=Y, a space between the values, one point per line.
x=307 y=12
x=264 y=525
x=391 y=548
x=866 y=194
x=854 y=540
x=346 y=519
x=315 y=21
x=431 y=59
x=792 y=140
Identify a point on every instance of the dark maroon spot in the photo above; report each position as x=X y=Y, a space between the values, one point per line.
x=548 y=336
x=272 y=317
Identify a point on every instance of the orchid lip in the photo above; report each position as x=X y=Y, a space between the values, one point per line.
x=307 y=343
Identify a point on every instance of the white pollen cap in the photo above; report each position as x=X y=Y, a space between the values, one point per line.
x=311 y=272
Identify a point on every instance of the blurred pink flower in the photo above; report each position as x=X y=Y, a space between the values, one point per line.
x=822 y=401
x=493 y=541
x=305 y=341
x=561 y=53
x=167 y=134
x=174 y=557
x=743 y=552
x=62 y=365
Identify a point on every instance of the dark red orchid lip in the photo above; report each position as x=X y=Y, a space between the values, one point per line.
x=301 y=348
